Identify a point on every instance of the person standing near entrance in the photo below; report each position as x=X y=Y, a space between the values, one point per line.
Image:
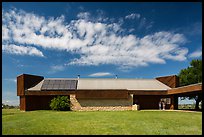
x=163 y=105
x=160 y=105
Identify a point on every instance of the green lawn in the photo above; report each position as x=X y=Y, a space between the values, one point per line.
x=101 y=122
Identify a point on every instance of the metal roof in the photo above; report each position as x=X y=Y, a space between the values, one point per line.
x=58 y=84
x=55 y=84
x=129 y=84
x=99 y=84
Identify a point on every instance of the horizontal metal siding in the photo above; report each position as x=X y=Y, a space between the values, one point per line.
x=97 y=94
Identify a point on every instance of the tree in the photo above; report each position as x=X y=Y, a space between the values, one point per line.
x=192 y=75
x=60 y=103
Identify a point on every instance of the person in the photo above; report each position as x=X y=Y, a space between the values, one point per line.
x=160 y=105
x=163 y=105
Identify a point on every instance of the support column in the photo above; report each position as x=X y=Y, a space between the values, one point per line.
x=174 y=102
x=75 y=105
x=23 y=103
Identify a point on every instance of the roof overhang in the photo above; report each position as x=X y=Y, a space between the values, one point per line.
x=148 y=92
x=50 y=92
x=193 y=88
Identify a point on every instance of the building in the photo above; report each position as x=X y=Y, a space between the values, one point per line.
x=36 y=92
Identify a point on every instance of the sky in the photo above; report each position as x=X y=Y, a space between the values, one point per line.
x=97 y=40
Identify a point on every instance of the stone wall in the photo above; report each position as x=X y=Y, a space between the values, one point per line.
x=101 y=104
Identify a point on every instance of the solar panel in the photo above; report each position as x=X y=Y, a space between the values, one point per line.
x=45 y=82
x=49 y=86
x=51 y=82
x=59 y=85
x=56 y=86
x=67 y=82
x=66 y=86
x=57 y=82
x=73 y=84
x=62 y=82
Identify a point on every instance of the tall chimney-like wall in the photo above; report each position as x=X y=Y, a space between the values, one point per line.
x=171 y=81
x=26 y=81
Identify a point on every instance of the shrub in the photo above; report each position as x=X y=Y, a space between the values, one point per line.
x=60 y=103
x=5 y=106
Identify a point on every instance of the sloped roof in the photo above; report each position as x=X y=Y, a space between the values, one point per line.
x=129 y=84
x=37 y=87
x=55 y=84
x=109 y=84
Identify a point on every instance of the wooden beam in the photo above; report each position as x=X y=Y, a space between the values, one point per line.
x=186 y=89
x=49 y=92
x=150 y=92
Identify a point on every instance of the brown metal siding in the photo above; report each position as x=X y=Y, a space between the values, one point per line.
x=142 y=92
x=175 y=101
x=171 y=81
x=38 y=102
x=97 y=94
x=22 y=103
x=26 y=81
x=186 y=89
x=20 y=85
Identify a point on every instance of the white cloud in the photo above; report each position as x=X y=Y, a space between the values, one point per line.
x=5 y=32
x=56 y=68
x=83 y=15
x=131 y=30
x=22 y=50
x=11 y=79
x=142 y=23
x=179 y=55
x=100 y=74
x=133 y=16
x=196 y=54
x=96 y=42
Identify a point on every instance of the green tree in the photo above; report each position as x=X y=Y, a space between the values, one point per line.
x=60 y=103
x=192 y=75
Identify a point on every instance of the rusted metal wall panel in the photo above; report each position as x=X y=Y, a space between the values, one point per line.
x=142 y=92
x=22 y=103
x=97 y=94
x=38 y=102
x=171 y=81
x=26 y=81
x=174 y=102
x=187 y=89
x=20 y=85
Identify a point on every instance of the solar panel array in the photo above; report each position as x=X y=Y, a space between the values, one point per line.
x=59 y=85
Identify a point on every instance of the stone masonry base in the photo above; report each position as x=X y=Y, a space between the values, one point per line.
x=76 y=106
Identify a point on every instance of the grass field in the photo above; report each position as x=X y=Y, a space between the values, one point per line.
x=47 y=122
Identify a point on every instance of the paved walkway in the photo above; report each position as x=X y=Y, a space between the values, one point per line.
x=173 y=110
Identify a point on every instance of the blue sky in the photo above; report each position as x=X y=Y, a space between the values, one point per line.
x=97 y=40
